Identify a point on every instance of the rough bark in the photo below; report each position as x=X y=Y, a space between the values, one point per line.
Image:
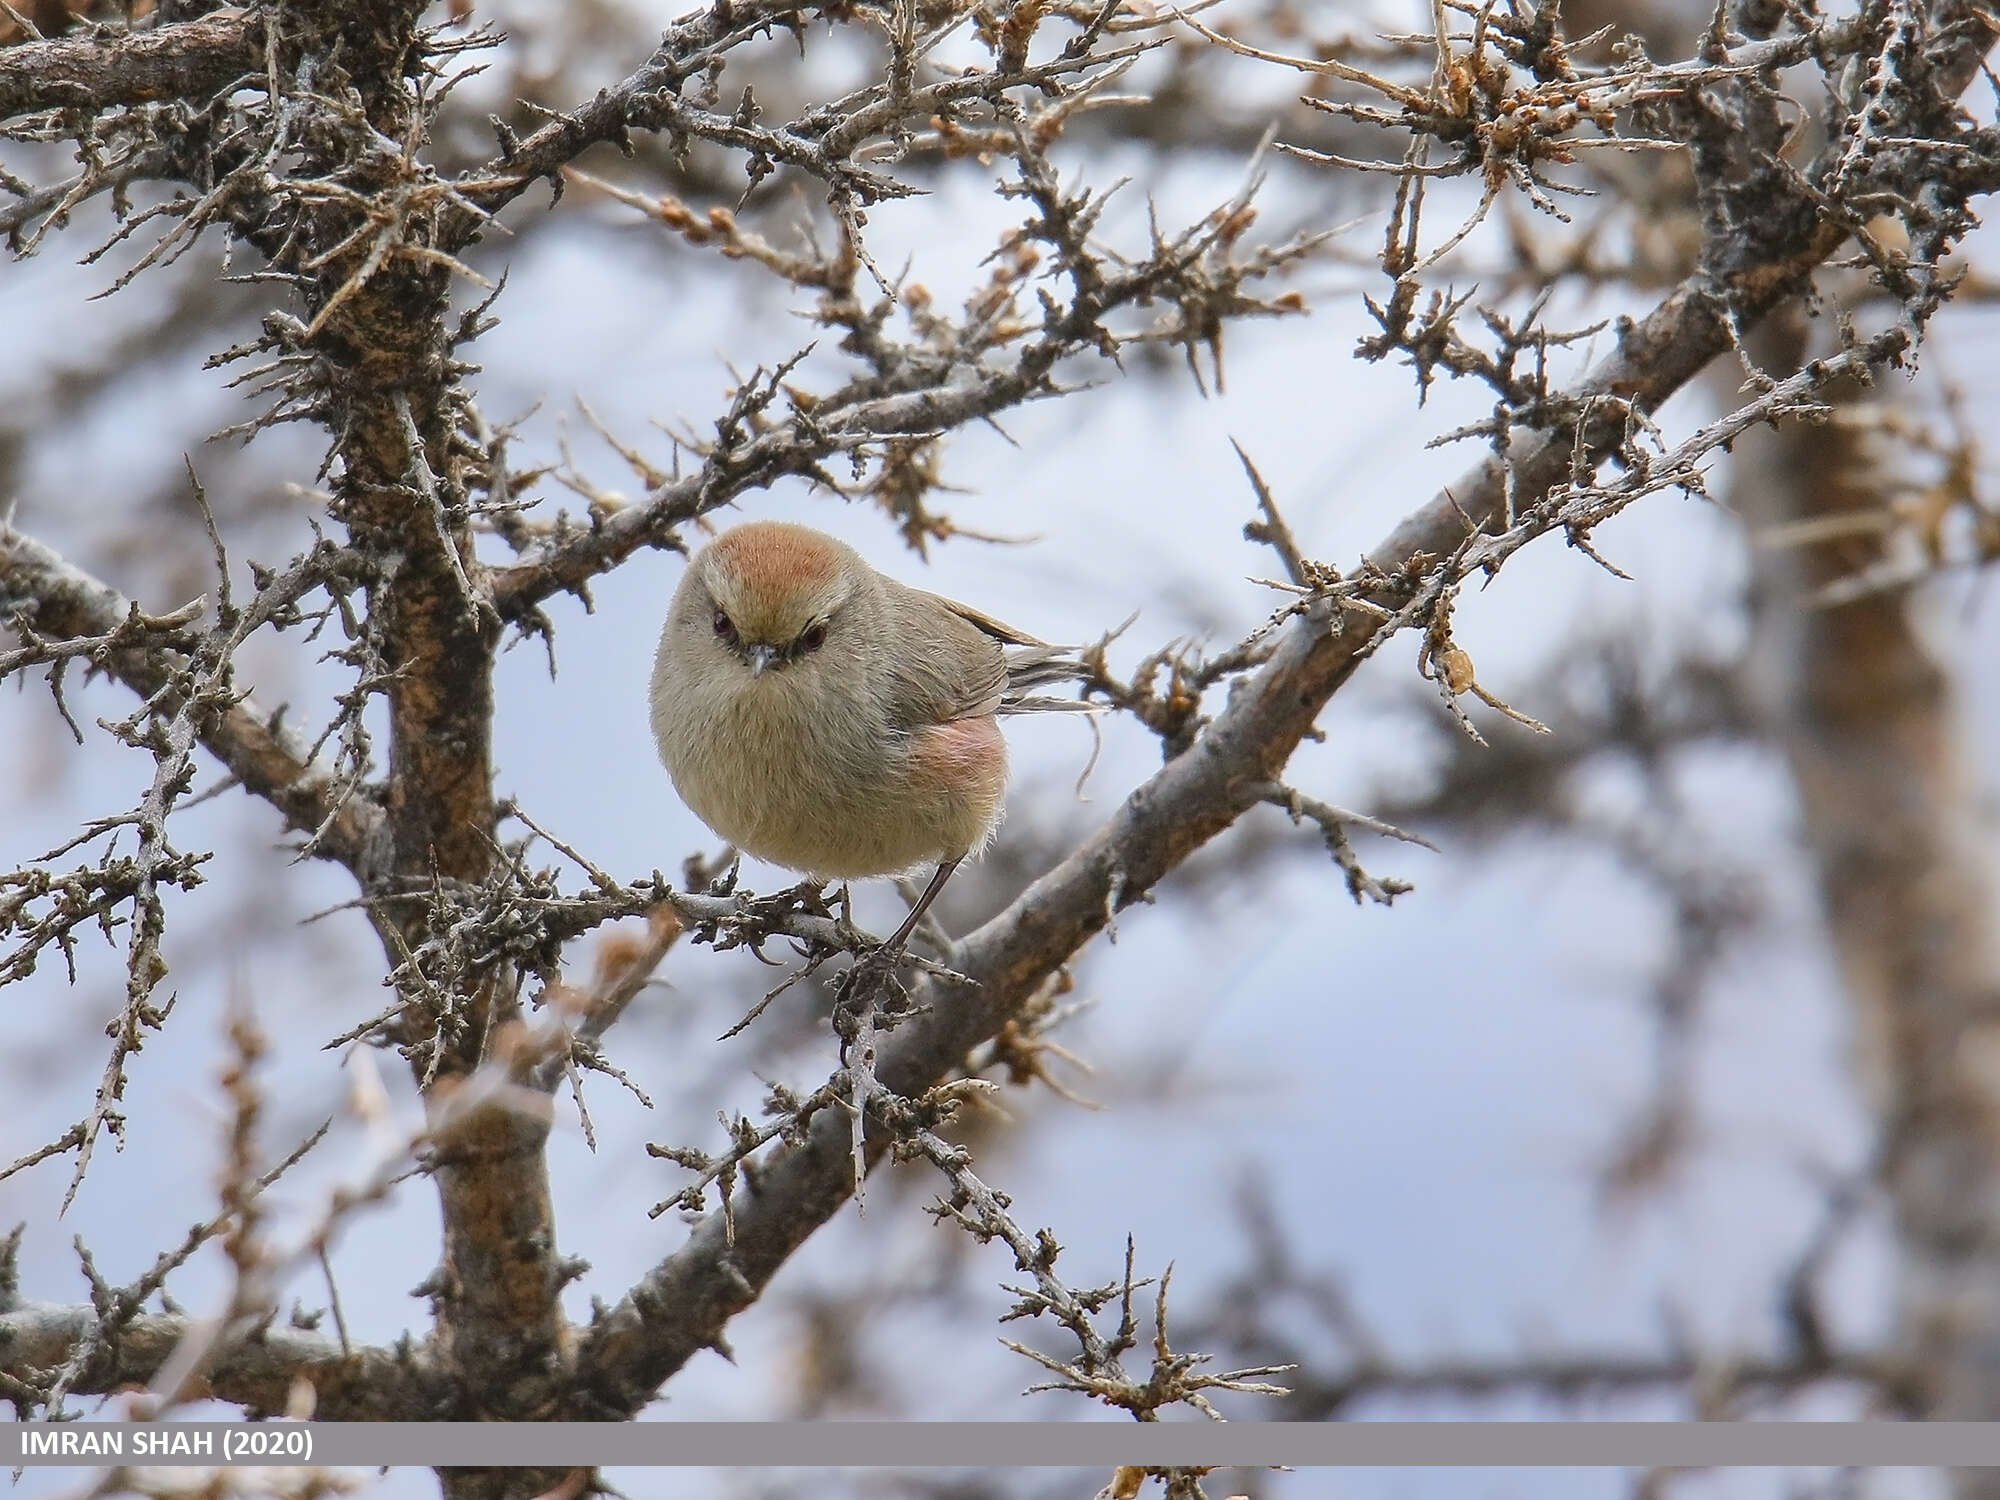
x=365 y=234
x=186 y=61
x=359 y=1384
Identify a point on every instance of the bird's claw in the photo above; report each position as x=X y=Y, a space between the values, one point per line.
x=868 y=982
x=871 y=969
x=808 y=896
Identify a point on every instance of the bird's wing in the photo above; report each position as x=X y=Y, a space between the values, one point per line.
x=1031 y=664
x=1004 y=633
x=962 y=674
x=1003 y=680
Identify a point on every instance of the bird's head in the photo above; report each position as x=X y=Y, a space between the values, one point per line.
x=773 y=591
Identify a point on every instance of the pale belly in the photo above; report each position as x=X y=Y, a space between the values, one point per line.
x=830 y=807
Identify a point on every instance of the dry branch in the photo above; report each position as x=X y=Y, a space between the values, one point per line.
x=362 y=1385
x=190 y=60
x=684 y=1303
x=62 y=603
x=320 y=167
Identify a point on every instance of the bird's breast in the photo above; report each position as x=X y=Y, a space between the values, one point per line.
x=825 y=786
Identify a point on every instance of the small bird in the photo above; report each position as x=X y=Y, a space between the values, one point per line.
x=825 y=717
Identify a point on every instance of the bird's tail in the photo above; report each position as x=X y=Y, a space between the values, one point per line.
x=1031 y=667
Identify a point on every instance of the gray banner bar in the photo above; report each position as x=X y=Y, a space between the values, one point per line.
x=1008 y=1444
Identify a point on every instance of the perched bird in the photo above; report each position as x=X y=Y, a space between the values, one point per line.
x=822 y=716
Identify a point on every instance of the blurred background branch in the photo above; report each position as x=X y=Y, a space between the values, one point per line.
x=311 y=217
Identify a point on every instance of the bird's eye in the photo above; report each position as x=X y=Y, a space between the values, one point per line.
x=724 y=626
x=813 y=636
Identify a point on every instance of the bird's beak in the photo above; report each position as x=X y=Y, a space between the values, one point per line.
x=760 y=657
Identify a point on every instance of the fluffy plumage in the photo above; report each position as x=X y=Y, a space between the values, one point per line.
x=825 y=717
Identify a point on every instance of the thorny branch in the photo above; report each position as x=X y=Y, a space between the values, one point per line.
x=184 y=677
x=1098 y=1369
x=309 y=147
x=1543 y=482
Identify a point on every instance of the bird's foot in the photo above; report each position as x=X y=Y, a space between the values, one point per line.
x=871 y=973
x=808 y=896
x=758 y=919
x=868 y=994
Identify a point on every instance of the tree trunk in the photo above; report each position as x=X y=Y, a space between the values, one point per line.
x=1892 y=812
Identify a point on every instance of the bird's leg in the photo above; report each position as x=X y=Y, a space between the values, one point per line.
x=843 y=921
x=871 y=972
x=870 y=981
x=923 y=905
